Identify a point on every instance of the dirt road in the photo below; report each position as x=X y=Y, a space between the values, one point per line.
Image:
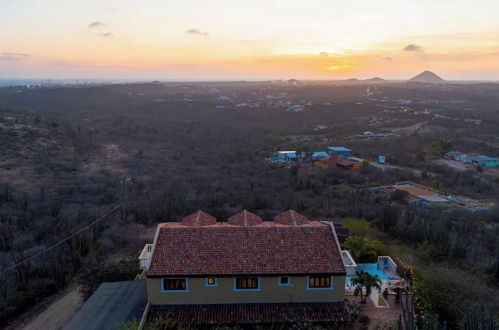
x=389 y=166
x=57 y=314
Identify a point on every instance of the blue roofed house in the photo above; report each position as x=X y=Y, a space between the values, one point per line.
x=319 y=155
x=456 y=155
x=287 y=155
x=339 y=151
x=485 y=161
x=284 y=157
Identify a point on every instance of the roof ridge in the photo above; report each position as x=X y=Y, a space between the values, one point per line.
x=293 y=217
x=198 y=216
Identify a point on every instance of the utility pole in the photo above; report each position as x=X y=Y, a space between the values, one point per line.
x=126 y=181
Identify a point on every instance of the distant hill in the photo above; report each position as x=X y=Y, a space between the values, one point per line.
x=294 y=82
x=427 y=77
x=375 y=80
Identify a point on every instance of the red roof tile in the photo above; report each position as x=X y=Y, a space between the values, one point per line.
x=344 y=162
x=245 y=218
x=219 y=314
x=199 y=218
x=291 y=218
x=232 y=250
x=331 y=161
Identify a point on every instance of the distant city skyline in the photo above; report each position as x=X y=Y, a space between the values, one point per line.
x=251 y=40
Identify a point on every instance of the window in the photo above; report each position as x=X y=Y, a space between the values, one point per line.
x=319 y=282
x=211 y=281
x=284 y=280
x=247 y=283
x=174 y=284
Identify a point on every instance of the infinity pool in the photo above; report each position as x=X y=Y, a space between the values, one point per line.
x=373 y=270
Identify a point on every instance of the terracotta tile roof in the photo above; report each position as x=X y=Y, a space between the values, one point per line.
x=199 y=218
x=344 y=162
x=225 y=250
x=245 y=218
x=225 y=314
x=331 y=161
x=291 y=218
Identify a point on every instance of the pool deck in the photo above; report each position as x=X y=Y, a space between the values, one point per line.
x=379 y=316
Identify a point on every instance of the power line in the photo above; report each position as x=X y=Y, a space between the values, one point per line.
x=63 y=240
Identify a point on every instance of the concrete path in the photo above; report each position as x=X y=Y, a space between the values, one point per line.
x=58 y=313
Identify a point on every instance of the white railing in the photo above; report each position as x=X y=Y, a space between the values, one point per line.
x=145 y=256
x=387 y=264
x=350 y=265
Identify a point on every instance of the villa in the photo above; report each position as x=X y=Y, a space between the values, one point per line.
x=245 y=271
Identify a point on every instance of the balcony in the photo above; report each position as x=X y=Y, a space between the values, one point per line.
x=145 y=256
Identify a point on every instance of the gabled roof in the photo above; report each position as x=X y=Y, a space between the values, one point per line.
x=199 y=218
x=289 y=245
x=291 y=218
x=245 y=218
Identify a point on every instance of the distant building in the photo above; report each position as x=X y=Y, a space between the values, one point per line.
x=246 y=271
x=369 y=135
x=417 y=195
x=381 y=159
x=456 y=155
x=485 y=161
x=296 y=108
x=285 y=157
x=339 y=151
x=319 y=155
x=340 y=162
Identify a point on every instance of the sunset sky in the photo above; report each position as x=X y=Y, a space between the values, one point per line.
x=232 y=39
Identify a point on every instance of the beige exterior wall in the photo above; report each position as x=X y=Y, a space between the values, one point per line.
x=270 y=292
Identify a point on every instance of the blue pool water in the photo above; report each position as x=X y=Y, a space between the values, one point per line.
x=373 y=270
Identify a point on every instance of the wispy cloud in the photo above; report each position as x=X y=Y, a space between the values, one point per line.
x=95 y=24
x=7 y=56
x=197 y=32
x=413 y=48
x=106 y=34
x=16 y=54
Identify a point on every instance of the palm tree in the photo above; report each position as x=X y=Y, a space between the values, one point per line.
x=364 y=280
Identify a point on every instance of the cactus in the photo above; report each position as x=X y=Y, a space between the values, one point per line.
x=479 y=319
